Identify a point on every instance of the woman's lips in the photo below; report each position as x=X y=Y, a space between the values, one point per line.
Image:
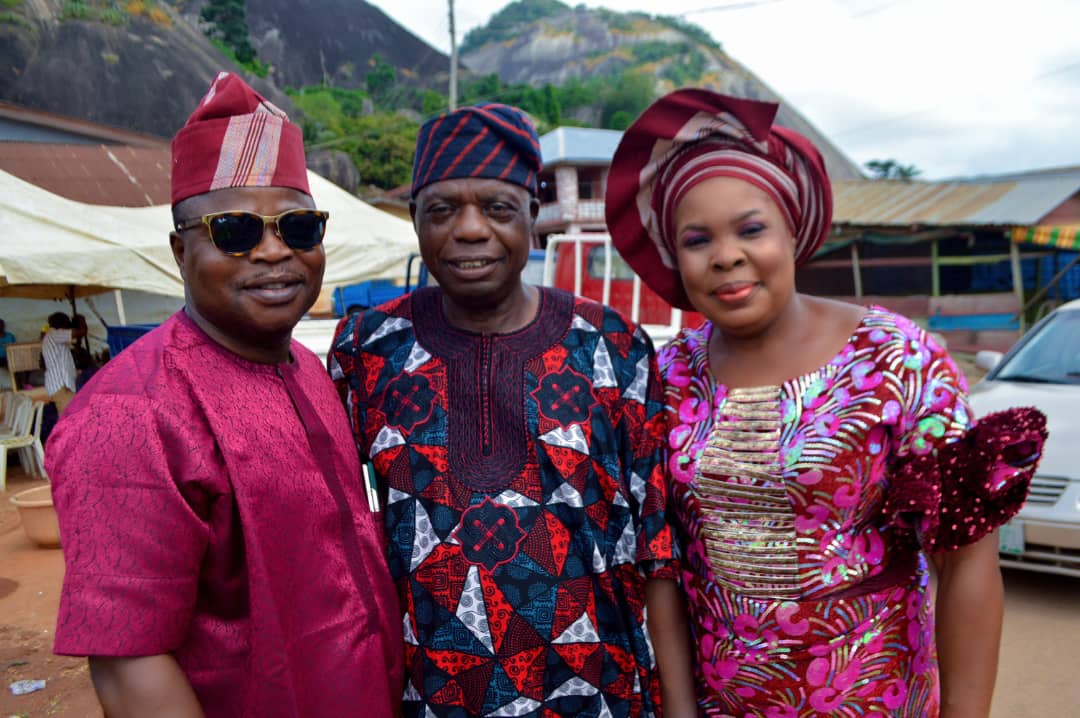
x=735 y=292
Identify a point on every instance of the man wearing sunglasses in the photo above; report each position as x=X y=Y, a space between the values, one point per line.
x=221 y=556
x=515 y=433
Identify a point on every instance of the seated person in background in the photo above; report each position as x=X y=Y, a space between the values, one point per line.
x=59 y=364
x=6 y=338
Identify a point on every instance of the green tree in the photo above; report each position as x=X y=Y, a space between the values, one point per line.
x=504 y=23
x=381 y=80
x=891 y=169
x=229 y=20
x=631 y=94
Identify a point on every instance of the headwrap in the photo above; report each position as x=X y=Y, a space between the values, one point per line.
x=236 y=138
x=490 y=140
x=689 y=136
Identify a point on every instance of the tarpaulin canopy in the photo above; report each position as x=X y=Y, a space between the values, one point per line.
x=1059 y=236
x=53 y=246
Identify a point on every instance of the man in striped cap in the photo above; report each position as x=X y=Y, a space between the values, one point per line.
x=514 y=433
x=221 y=558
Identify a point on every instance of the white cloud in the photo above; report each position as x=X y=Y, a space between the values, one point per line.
x=951 y=86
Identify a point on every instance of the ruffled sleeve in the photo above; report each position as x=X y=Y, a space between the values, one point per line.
x=959 y=493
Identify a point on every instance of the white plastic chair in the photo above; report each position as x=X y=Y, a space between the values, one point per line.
x=35 y=453
x=7 y=400
x=11 y=411
x=27 y=416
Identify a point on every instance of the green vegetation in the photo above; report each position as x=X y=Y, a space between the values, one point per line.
x=655 y=50
x=110 y=12
x=10 y=4
x=686 y=70
x=891 y=169
x=228 y=32
x=380 y=144
x=504 y=24
x=692 y=31
x=14 y=18
x=255 y=67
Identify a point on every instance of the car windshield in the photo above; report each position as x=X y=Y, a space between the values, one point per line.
x=1050 y=356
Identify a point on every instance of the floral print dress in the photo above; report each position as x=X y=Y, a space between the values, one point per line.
x=804 y=509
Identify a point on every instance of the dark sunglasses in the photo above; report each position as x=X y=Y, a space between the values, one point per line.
x=237 y=233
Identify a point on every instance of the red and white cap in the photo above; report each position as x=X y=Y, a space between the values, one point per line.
x=236 y=138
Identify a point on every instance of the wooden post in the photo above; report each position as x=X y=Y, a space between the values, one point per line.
x=935 y=270
x=121 y=315
x=1018 y=279
x=856 y=271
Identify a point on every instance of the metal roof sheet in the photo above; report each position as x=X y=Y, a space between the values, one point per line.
x=95 y=174
x=79 y=129
x=1016 y=200
x=580 y=145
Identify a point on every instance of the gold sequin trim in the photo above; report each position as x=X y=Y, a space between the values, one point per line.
x=749 y=527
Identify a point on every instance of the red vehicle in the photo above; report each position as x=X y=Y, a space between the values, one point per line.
x=587 y=265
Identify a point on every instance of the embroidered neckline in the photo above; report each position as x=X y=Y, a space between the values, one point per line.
x=488 y=440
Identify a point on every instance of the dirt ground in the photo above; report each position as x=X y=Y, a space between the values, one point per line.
x=30 y=580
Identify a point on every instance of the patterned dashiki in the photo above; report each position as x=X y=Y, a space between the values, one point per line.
x=208 y=510
x=806 y=599
x=523 y=477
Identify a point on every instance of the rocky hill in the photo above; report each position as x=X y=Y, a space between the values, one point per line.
x=546 y=41
x=144 y=65
x=332 y=42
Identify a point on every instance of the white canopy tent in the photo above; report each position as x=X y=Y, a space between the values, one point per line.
x=52 y=244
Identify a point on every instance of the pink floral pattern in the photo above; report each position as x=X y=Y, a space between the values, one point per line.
x=852 y=636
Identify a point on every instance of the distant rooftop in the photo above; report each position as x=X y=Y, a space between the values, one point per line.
x=579 y=145
x=1021 y=198
x=95 y=174
x=25 y=124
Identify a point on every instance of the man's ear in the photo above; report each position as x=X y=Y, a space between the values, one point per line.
x=412 y=212
x=534 y=207
x=176 y=242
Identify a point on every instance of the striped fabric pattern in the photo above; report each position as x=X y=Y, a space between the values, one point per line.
x=59 y=364
x=488 y=141
x=1065 y=236
x=236 y=138
x=781 y=173
x=249 y=151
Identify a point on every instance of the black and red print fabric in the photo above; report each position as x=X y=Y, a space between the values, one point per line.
x=525 y=502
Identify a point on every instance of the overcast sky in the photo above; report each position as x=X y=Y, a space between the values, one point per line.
x=954 y=87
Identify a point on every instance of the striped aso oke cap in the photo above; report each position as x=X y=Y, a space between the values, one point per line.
x=489 y=141
x=689 y=136
x=236 y=138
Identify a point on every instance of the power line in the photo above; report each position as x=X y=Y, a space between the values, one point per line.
x=875 y=10
x=729 y=6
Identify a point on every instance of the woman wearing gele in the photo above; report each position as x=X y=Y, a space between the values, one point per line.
x=822 y=456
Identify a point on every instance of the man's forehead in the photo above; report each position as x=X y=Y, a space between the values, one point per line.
x=466 y=187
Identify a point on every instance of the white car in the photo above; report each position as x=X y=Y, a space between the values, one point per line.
x=1042 y=370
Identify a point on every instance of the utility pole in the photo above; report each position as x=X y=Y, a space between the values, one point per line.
x=453 y=60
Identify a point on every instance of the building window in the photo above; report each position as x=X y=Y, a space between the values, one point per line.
x=547 y=193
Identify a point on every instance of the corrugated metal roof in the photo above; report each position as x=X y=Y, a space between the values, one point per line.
x=580 y=145
x=96 y=174
x=1018 y=200
x=77 y=127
